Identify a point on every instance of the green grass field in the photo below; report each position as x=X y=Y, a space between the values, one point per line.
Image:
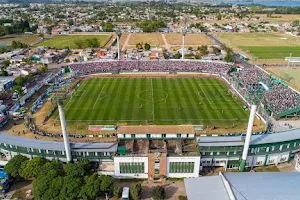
x=161 y=101
x=62 y=41
x=272 y=51
x=263 y=45
x=290 y=75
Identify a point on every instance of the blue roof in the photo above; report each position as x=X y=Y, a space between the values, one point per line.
x=265 y=185
x=57 y=146
x=206 y=188
x=245 y=186
x=255 y=139
x=3 y=174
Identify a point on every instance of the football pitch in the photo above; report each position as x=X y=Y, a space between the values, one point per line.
x=263 y=45
x=160 y=101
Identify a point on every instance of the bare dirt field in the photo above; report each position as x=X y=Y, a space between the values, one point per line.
x=154 y=39
x=190 y=39
x=279 y=18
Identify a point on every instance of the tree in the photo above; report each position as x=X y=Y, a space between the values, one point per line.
x=135 y=191
x=107 y=183
x=41 y=184
x=19 y=81
x=229 y=57
x=14 y=164
x=52 y=193
x=18 y=89
x=74 y=170
x=190 y=48
x=91 y=189
x=295 y=23
x=51 y=166
x=3 y=73
x=177 y=55
x=6 y=63
x=31 y=168
x=71 y=187
x=158 y=193
x=117 y=191
x=147 y=46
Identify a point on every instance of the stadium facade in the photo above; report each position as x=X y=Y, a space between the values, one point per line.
x=158 y=156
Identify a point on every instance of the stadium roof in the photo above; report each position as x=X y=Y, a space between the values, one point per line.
x=245 y=186
x=56 y=146
x=184 y=129
x=206 y=188
x=255 y=139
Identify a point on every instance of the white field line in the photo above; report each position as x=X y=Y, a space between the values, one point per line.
x=98 y=97
x=132 y=120
x=213 y=106
x=152 y=101
x=78 y=99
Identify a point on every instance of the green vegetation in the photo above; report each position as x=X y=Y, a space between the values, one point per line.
x=160 y=101
x=158 y=193
x=75 y=41
x=269 y=52
x=53 y=182
x=135 y=191
x=151 y=26
x=17 y=27
x=263 y=45
x=13 y=166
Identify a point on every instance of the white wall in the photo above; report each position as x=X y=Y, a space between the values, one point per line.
x=196 y=161
x=130 y=159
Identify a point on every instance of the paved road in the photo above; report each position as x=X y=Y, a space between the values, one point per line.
x=238 y=59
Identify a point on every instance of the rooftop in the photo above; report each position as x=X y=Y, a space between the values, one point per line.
x=183 y=129
x=248 y=185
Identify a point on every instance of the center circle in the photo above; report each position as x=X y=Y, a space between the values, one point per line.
x=153 y=95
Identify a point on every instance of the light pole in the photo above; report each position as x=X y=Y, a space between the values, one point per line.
x=248 y=138
x=184 y=31
x=64 y=130
x=118 y=32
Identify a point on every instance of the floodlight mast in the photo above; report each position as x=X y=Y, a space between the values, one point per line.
x=184 y=31
x=64 y=130
x=118 y=32
x=248 y=138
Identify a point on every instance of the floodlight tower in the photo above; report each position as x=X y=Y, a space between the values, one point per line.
x=184 y=31
x=59 y=97
x=248 y=138
x=118 y=32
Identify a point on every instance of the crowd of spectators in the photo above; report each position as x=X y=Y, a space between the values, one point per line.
x=150 y=66
x=278 y=97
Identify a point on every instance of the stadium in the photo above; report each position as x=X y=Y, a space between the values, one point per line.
x=160 y=119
